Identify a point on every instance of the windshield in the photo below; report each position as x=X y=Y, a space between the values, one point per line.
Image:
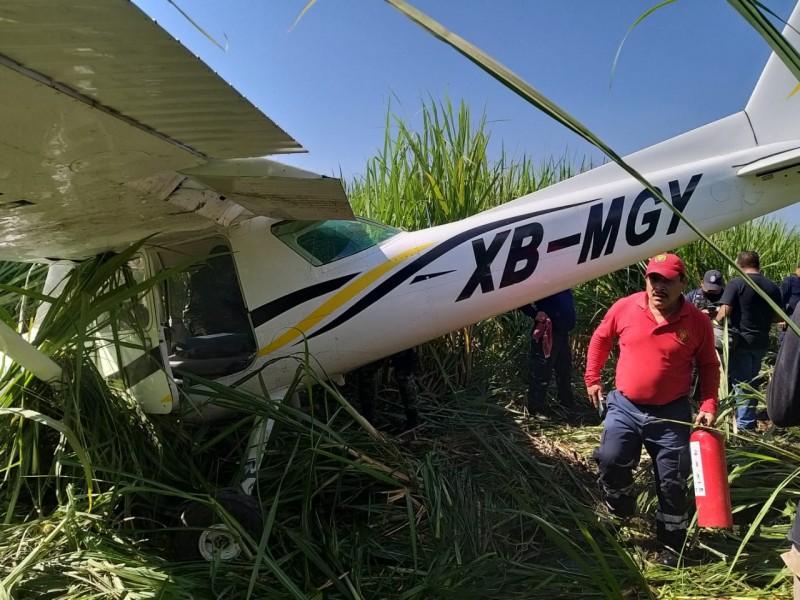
x=322 y=242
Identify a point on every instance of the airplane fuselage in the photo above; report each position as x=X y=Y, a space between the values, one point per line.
x=419 y=285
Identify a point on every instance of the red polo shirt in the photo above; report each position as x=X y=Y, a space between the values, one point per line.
x=655 y=361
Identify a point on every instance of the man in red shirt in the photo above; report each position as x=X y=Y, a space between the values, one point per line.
x=660 y=337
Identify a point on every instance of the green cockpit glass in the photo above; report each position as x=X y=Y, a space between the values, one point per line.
x=323 y=242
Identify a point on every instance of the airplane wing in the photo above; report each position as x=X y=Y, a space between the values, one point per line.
x=103 y=117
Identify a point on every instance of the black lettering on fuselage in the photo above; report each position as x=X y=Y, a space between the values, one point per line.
x=679 y=200
x=601 y=234
x=600 y=237
x=649 y=219
x=525 y=253
x=482 y=275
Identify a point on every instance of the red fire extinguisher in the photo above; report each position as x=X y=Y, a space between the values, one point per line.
x=710 y=472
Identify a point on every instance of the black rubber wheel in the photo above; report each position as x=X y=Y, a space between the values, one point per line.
x=204 y=535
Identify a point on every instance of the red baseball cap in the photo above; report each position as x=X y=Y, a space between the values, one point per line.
x=666 y=265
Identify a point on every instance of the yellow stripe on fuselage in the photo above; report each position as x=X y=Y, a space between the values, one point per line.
x=338 y=299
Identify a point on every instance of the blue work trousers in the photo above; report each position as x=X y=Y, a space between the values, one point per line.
x=542 y=369
x=743 y=367
x=664 y=431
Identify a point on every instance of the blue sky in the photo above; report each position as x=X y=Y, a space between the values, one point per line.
x=329 y=79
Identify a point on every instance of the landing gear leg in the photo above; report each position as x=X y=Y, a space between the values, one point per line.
x=256 y=445
x=255 y=453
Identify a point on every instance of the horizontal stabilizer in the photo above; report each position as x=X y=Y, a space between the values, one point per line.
x=771 y=164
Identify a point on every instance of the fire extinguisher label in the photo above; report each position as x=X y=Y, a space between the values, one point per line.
x=697 y=469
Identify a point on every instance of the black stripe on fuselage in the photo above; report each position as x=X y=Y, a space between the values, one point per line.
x=270 y=310
x=140 y=368
x=565 y=242
x=427 y=276
x=423 y=261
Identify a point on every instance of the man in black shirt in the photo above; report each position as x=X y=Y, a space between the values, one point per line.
x=752 y=316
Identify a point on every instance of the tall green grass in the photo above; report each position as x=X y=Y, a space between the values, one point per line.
x=441 y=170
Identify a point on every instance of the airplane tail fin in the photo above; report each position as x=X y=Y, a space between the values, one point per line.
x=774 y=107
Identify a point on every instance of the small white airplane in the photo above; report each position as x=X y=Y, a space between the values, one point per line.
x=113 y=132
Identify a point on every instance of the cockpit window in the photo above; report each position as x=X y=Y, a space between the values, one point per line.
x=322 y=242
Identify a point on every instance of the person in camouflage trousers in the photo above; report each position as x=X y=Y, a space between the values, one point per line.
x=404 y=365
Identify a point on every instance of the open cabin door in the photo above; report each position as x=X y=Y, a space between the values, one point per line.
x=130 y=346
x=210 y=334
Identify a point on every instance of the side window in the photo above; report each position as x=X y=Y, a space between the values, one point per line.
x=323 y=242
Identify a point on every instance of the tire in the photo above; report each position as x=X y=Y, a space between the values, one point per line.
x=204 y=534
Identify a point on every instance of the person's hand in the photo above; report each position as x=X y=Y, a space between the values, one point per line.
x=705 y=418
x=595 y=393
x=782 y=325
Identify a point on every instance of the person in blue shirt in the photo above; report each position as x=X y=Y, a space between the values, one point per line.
x=560 y=310
x=790 y=292
x=707 y=297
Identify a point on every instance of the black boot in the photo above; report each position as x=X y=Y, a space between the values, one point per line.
x=672 y=543
x=621 y=507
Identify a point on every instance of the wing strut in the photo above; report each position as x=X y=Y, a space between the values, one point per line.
x=13 y=345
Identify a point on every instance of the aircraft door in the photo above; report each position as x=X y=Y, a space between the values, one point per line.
x=210 y=332
x=131 y=347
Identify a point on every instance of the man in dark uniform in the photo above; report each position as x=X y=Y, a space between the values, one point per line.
x=661 y=336
x=403 y=364
x=750 y=314
x=215 y=303
x=707 y=297
x=559 y=309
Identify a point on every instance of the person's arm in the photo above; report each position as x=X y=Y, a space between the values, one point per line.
x=708 y=374
x=783 y=391
x=786 y=293
x=723 y=311
x=777 y=298
x=730 y=296
x=597 y=354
